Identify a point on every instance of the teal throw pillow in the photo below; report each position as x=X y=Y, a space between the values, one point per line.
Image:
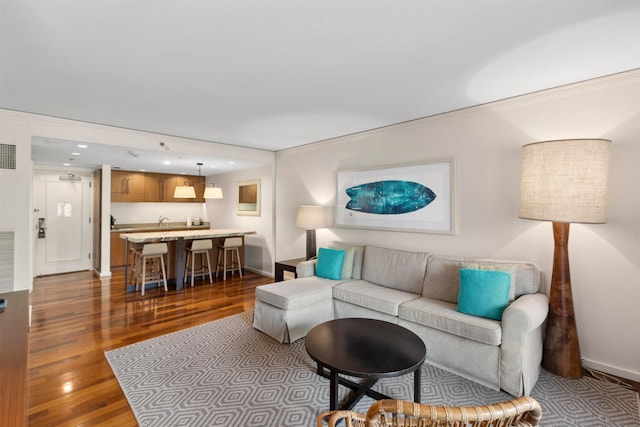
x=483 y=293
x=507 y=268
x=329 y=264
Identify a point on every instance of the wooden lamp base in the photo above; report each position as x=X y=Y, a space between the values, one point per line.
x=561 y=352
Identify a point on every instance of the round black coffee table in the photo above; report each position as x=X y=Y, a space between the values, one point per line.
x=364 y=348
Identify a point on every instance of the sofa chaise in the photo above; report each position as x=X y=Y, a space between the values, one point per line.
x=420 y=292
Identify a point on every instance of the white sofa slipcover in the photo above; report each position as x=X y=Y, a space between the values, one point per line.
x=419 y=291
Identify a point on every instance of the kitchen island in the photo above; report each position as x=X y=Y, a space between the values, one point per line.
x=178 y=238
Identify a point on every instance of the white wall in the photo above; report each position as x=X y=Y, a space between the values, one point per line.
x=486 y=143
x=259 y=247
x=15 y=198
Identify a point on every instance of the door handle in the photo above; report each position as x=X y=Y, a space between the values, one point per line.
x=41 y=228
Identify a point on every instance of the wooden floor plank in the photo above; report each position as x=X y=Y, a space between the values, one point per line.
x=77 y=317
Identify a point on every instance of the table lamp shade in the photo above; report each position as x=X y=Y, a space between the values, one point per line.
x=565 y=180
x=310 y=217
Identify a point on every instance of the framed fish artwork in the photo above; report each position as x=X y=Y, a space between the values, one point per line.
x=417 y=197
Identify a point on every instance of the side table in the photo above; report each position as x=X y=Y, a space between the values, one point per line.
x=286 y=265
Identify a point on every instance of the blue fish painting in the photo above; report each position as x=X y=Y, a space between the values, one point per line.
x=389 y=197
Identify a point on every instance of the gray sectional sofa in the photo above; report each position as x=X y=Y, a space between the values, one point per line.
x=419 y=291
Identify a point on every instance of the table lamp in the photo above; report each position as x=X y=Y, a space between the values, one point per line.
x=310 y=218
x=564 y=181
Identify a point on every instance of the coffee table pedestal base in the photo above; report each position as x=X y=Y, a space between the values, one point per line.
x=359 y=389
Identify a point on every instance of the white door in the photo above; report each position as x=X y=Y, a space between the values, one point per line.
x=62 y=218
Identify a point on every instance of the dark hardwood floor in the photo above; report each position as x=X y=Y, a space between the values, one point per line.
x=77 y=317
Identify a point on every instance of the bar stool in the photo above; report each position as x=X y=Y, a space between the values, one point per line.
x=151 y=255
x=135 y=251
x=198 y=247
x=231 y=245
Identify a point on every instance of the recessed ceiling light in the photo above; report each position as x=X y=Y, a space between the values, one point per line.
x=230 y=163
x=66 y=164
x=143 y=170
x=167 y=162
x=82 y=146
x=75 y=154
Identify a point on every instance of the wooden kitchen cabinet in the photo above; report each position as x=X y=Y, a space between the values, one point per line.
x=169 y=183
x=200 y=182
x=154 y=187
x=127 y=186
x=118 y=252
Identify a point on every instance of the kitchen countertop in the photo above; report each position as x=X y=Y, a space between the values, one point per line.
x=168 y=235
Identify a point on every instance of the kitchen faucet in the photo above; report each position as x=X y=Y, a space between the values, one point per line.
x=162 y=218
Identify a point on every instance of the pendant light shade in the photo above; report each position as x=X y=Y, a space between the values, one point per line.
x=213 y=193
x=184 y=192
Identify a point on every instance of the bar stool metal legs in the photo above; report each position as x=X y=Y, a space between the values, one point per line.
x=232 y=246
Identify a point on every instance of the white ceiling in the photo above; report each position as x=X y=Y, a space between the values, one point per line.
x=166 y=159
x=273 y=74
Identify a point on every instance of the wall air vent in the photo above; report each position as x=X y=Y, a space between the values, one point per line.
x=7 y=156
x=6 y=261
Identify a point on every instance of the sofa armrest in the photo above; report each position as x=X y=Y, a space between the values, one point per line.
x=524 y=314
x=521 y=349
x=306 y=268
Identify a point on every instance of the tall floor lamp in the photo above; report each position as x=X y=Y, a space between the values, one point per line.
x=564 y=181
x=310 y=218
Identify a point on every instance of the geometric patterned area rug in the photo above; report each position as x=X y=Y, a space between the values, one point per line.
x=227 y=373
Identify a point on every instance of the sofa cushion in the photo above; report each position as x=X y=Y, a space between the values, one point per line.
x=444 y=316
x=374 y=297
x=347 y=264
x=329 y=263
x=443 y=279
x=358 y=257
x=297 y=293
x=402 y=270
x=494 y=266
x=483 y=293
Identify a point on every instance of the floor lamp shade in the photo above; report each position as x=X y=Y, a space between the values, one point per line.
x=310 y=218
x=564 y=181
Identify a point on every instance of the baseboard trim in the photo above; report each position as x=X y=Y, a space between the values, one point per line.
x=612 y=370
x=102 y=274
x=255 y=270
